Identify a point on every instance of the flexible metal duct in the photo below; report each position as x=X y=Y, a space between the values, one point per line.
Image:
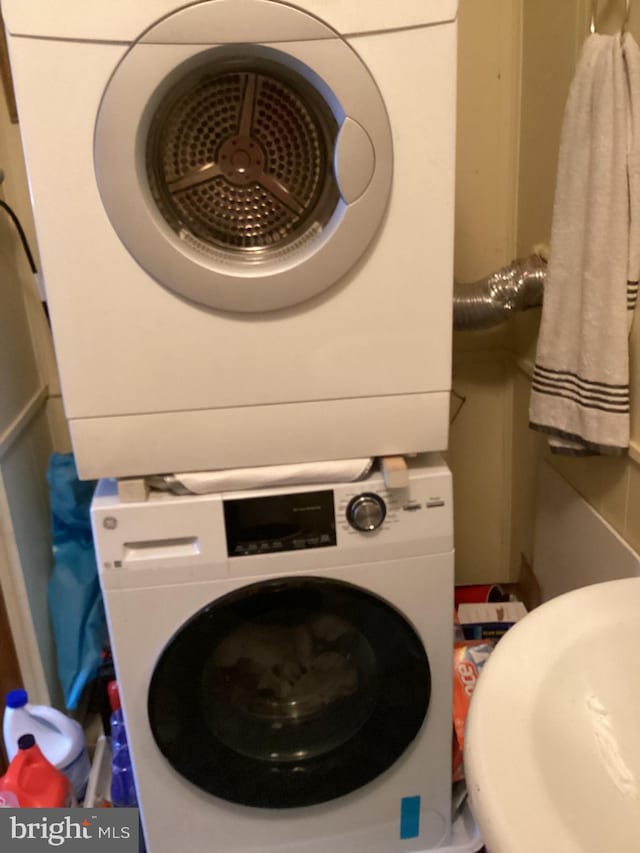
x=493 y=300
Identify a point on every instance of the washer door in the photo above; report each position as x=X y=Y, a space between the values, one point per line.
x=250 y=172
x=289 y=692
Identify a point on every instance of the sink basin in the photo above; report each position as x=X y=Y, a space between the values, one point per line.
x=552 y=743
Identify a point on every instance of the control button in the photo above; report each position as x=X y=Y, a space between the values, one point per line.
x=411 y=507
x=434 y=502
x=366 y=512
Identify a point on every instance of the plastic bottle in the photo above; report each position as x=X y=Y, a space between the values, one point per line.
x=32 y=782
x=123 y=786
x=60 y=738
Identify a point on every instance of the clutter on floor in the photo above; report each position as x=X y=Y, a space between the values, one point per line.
x=483 y=614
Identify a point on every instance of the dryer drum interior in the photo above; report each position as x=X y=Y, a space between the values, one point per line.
x=239 y=158
x=289 y=692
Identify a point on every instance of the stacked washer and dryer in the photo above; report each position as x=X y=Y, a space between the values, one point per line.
x=245 y=217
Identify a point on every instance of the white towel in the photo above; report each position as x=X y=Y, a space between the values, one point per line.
x=580 y=389
x=632 y=61
x=237 y=479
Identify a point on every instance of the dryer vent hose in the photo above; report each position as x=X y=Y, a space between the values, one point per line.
x=493 y=300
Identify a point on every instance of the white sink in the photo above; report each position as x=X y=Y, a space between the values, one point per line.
x=552 y=744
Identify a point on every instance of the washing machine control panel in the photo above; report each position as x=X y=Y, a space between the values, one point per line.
x=290 y=529
x=366 y=512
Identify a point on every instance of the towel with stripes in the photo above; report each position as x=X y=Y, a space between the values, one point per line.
x=580 y=388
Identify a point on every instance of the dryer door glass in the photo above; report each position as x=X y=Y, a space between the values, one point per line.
x=289 y=692
x=239 y=159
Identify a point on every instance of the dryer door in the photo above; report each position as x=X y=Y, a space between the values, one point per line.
x=289 y=692
x=243 y=154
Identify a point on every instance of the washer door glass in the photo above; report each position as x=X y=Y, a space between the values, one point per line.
x=289 y=692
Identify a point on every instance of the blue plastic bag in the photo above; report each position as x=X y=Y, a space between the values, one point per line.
x=75 y=600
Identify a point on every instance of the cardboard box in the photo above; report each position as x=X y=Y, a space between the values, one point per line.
x=489 y=620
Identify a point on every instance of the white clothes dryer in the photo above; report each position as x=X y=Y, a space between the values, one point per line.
x=245 y=216
x=284 y=658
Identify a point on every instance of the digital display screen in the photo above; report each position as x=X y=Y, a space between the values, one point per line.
x=276 y=523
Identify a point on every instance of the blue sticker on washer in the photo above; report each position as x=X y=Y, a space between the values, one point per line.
x=410 y=817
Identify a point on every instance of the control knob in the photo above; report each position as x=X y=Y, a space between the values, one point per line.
x=366 y=512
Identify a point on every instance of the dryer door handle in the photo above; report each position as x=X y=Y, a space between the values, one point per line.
x=354 y=160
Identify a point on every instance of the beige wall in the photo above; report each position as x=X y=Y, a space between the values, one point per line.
x=15 y=191
x=19 y=379
x=488 y=92
x=553 y=36
x=516 y=63
x=25 y=438
x=486 y=181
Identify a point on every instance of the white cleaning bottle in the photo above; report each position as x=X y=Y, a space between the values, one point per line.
x=60 y=738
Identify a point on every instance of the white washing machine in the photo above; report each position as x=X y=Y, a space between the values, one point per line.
x=243 y=203
x=284 y=659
